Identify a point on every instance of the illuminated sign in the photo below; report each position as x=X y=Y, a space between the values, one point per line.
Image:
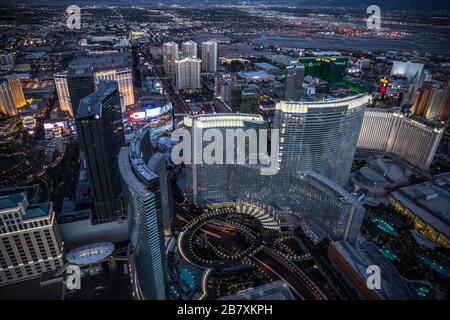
x=150 y=113
x=137 y=115
x=51 y=125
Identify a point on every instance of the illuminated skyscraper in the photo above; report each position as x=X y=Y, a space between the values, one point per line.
x=319 y=136
x=424 y=99
x=81 y=83
x=189 y=49
x=124 y=79
x=11 y=95
x=30 y=243
x=209 y=56
x=15 y=87
x=206 y=181
x=170 y=54
x=434 y=104
x=100 y=129
x=187 y=73
x=294 y=81
x=7 y=105
x=443 y=112
x=331 y=69
x=63 y=92
x=147 y=201
x=72 y=86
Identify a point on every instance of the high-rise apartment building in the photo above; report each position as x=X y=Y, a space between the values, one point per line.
x=170 y=55
x=410 y=139
x=319 y=136
x=187 y=74
x=250 y=101
x=223 y=85
x=100 y=130
x=30 y=243
x=209 y=56
x=189 y=49
x=295 y=74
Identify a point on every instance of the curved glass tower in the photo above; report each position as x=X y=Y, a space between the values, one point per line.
x=145 y=197
x=319 y=136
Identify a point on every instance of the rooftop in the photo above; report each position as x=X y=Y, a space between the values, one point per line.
x=11 y=200
x=103 y=61
x=276 y=290
x=266 y=66
x=90 y=253
x=430 y=201
x=395 y=287
x=221 y=120
x=38 y=211
x=128 y=175
x=91 y=105
x=255 y=75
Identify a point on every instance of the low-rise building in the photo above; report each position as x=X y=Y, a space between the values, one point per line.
x=428 y=206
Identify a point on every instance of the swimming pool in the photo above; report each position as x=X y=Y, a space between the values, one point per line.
x=389 y=254
x=187 y=277
x=386 y=227
x=423 y=291
x=435 y=266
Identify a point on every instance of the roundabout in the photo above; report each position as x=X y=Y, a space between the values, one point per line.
x=228 y=235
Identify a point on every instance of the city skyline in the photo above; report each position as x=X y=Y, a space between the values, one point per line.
x=198 y=151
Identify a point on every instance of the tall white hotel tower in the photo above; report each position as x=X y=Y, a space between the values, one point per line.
x=30 y=243
x=319 y=136
x=170 y=54
x=187 y=73
x=410 y=139
x=189 y=49
x=209 y=56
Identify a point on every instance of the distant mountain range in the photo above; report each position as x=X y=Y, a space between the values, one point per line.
x=384 y=4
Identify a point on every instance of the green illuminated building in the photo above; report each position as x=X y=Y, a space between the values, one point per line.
x=331 y=69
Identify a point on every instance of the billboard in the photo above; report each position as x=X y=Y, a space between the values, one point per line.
x=137 y=115
x=150 y=113
x=50 y=131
